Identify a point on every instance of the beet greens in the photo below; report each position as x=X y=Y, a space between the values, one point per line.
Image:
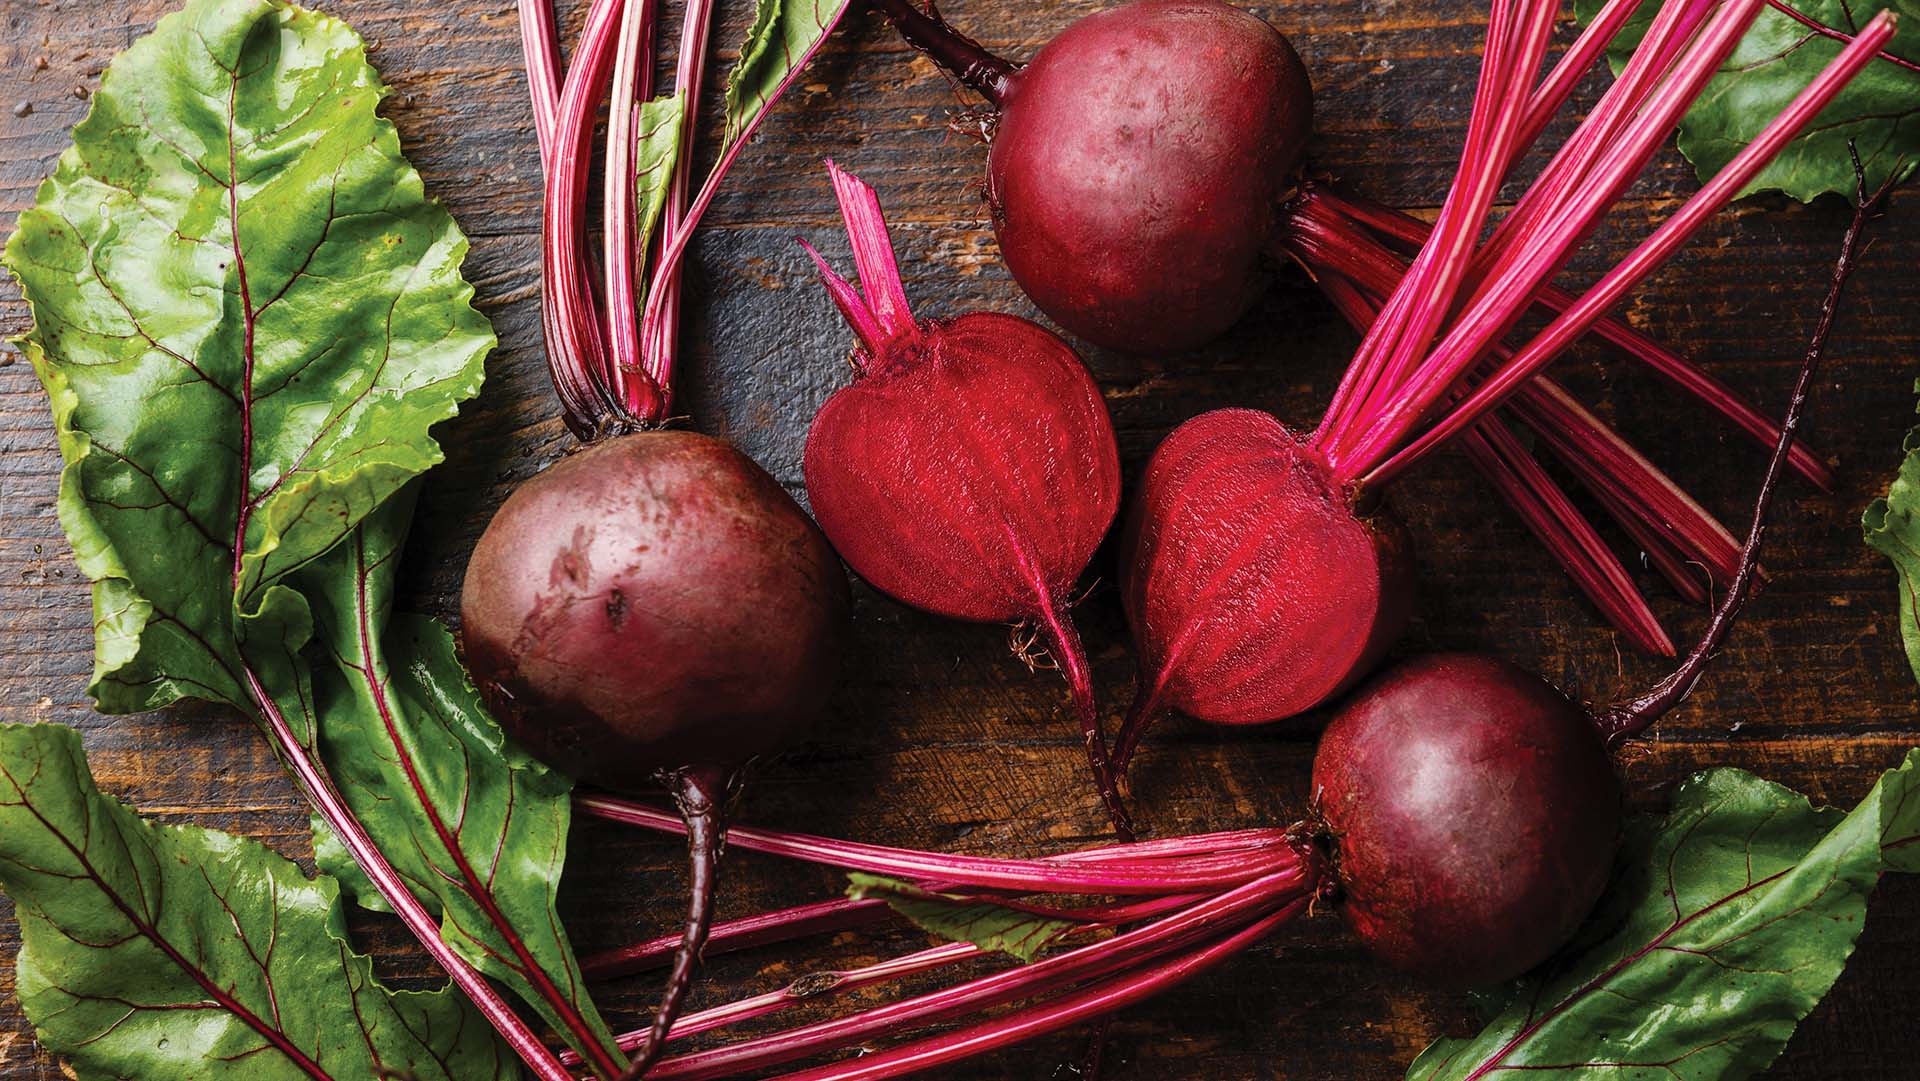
x=245 y=347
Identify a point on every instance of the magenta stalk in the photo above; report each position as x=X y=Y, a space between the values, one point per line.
x=1628 y=719
x=353 y=836
x=1675 y=231
x=1254 y=901
x=1099 y=1000
x=1117 y=870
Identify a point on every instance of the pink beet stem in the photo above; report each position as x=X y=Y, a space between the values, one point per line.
x=576 y=343
x=1604 y=460
x=853 y=307
x=1533 y=260
x=1628 y=719
x=749 y=932
x=1568 y=171
x=620 y=252
x=816 y=985
x=1098 y=1000
x=1572 y=66
x=873 y=252
x=812 y=987
x=1656 y=249
x=541 y=50
x=1409 y=232
x=663 y=291
x=660 y=327
x=769 y=928
x=1490 y=164
x=1567 y=164
x=1148 y=868
x=1686 y=578
x=1541 y=504
x=352 y=834
x=1647 y=498
x=878 y=311
x=1414 y=312
x=1566 y=533
x=1255 y=902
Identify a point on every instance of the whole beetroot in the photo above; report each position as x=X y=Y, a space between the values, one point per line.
x=1473 y=813
x=1253 y=589
x=1138 y=167
x=654 y=609
x=711 y=609
x=970 y=469
x=1138 y=163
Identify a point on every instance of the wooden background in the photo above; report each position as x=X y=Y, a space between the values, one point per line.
x=940 y=738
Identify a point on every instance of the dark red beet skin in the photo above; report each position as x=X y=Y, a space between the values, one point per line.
x=1137 y=167
x=1473 y=815
x=1253 y=590
x=653 y=602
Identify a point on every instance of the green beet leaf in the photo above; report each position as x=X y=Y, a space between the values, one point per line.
x=248 y=316
x=476 y=826
x=1730 y=919
x=1893 y=529
x=1017 y=932
x=655 y=158
x=162 y=952
x=784 y=36
x=1879 y=111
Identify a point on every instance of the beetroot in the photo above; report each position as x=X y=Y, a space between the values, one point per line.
x=1235 y=547
x=1473 y=815
x=970 y=469
x=656 y=610
x=709 y=610
x=1137 y=169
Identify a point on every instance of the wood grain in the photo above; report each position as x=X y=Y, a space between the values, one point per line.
x=940 y=739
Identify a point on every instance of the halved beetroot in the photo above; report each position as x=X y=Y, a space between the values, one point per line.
x=1254 y=590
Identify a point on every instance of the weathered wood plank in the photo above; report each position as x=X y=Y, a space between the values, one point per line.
x=940 y=739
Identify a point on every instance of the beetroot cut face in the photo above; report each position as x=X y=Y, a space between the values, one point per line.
x=970 y=469
x=1253 y=588
x=1473 y=814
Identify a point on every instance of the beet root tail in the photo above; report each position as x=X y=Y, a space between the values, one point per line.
x=963 y=58
x=1063 y=643
x=1140 y=719
x=700 y=795
x=1628 y=719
